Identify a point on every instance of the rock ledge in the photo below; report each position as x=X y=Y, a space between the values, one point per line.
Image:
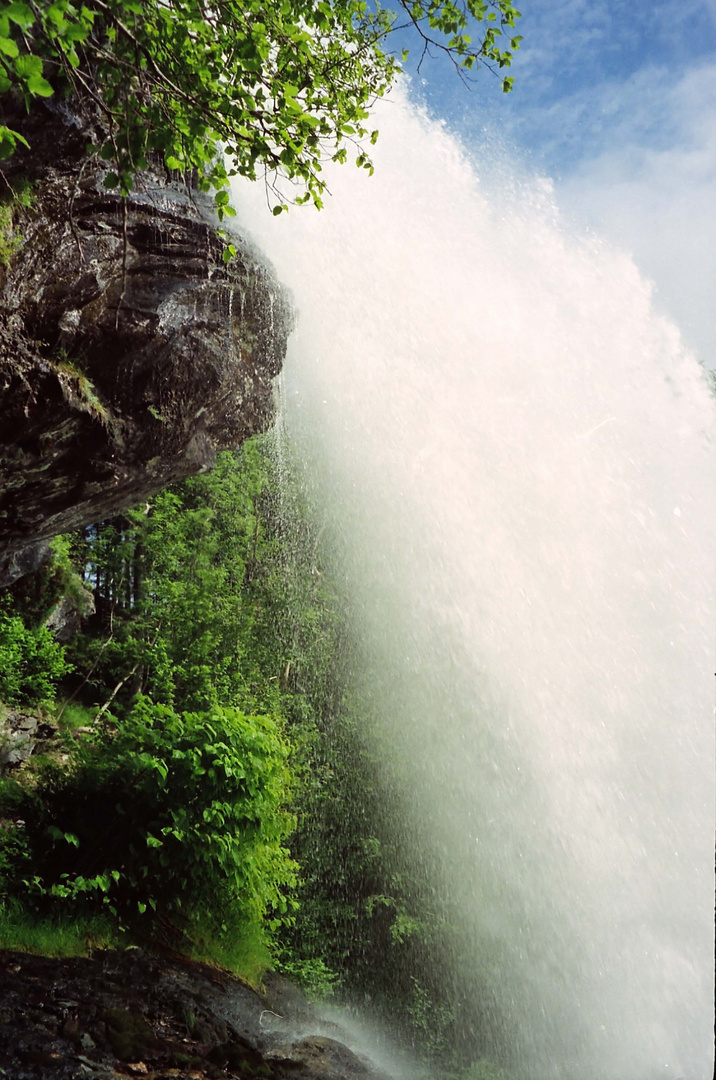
x=124 y=1014
x=129 y=352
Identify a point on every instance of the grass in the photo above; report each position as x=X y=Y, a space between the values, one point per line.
x=9 y=242
x=244 y=952
x=74 y=715
x=14 y=198
x=78 y=388
x=23 y=931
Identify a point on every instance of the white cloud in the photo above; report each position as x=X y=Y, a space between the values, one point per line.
x=649 y=184
x=617 y=102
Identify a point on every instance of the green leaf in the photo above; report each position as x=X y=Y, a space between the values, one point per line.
x=76 y=32
x=56 y=14
x=27 y=65
x=39 y=86
x=20 y=13
x=8 y=47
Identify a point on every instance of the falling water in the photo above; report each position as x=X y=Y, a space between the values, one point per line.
x=515 y=453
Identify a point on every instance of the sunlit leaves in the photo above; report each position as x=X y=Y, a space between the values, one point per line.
x=278 y=87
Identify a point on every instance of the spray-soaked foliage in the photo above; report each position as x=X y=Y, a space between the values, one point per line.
x=31 y=661
x=161 y=819
x=280 y=86
x=225 y=735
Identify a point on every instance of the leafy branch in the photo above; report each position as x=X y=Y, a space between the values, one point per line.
x=258 y=84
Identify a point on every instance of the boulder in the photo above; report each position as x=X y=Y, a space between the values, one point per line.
x=17 y=737
x=65 y=619
x=130 y=352
x=126 y=1013
x=23 y=561
x=320 y=1058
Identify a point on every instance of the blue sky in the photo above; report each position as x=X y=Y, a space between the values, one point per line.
x=615 y=101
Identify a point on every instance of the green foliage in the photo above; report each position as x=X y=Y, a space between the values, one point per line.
x=73 y=716
x=78 y=387
x=317 y=980
x=228 y=938
x=280 y=86
x=25 y=931
x=218 y=599
x=429 y=1021
x=178 y=591
x=31 y=661
x=169 y=816
x=8 y=241
x=13 y=201
x=34 y=596
x=14 y=852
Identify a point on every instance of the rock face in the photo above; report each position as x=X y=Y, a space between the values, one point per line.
x=129 y=352
x=21 y=735
x=24 y=560
x=66 y=618
x=122 y=1014
x=17 y=737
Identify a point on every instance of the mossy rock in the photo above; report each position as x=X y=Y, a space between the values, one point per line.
x=130 y=1035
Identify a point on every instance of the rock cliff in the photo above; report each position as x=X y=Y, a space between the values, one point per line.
x=126 y=1014
x=129 y=352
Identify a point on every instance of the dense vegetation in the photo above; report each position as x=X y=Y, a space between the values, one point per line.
x=213 y=790
x=280 y=86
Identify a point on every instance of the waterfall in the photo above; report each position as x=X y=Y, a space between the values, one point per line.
x=515 y=455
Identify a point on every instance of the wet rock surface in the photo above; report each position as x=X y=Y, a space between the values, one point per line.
x=23 y=561
x=129 y=351
x=321 y=1058
x=66 y=618
x=23 y=734
x=18 y=737
x=125 y=1014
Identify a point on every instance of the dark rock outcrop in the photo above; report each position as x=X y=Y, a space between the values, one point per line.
x=129 y=352
x=23 y=734
x=17 y=737
x=23 y=561
x=66 y=618
x=321 y=1059
x=122 y=1014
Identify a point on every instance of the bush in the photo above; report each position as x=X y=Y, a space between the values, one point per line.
x=167 y=819
x=31 y=661
x=22 y=931
x=317 y=980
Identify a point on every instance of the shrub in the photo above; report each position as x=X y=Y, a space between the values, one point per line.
x=167 y=819
x=31 y=661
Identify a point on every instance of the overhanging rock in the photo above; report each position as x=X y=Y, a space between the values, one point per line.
x=129 y=352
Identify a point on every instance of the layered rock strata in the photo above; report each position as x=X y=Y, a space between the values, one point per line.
x=129 y=351
x=126 y=1014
